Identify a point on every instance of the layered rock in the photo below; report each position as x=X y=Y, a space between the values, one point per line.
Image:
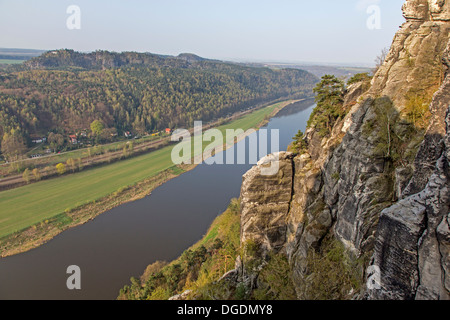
x=413 y=64
x=343 y=187
x=266 y=202
x=426 y=10
x=415 y=230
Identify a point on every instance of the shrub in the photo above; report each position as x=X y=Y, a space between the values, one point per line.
x=359 y=77
x=275 y=280
x=61 y=168
x=332 y=273
x=417 y=109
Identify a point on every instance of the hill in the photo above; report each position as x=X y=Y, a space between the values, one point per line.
x=65 y=91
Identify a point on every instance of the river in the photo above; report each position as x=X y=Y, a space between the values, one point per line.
x=120 y=243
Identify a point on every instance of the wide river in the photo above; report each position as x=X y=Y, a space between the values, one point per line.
x=120 y=243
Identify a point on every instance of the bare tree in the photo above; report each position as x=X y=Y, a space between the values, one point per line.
x=380 y=59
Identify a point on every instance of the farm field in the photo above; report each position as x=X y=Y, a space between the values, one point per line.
x=28 y=205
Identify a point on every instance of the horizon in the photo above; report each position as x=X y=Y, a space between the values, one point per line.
x=254 y=31
x=234 y=60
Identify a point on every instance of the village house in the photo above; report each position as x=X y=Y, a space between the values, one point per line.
x=73 y=139
x=38 y=140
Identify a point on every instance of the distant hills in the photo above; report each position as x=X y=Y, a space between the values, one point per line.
x=19 y=54
x=318 y=70
x=64 y=91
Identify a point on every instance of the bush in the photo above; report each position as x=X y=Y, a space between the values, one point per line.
x=275 y=280
x=417 y=110
x=332 y=273
x=359 y=77
x=61 y=168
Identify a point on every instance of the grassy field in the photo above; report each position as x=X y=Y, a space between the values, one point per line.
x=11 y=61
x=25 y=206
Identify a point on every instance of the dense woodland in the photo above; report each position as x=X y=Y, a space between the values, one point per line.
x=64 y=92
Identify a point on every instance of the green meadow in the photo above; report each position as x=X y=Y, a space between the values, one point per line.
x=11 y=61
x=28 y=205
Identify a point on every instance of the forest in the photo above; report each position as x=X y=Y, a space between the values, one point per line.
x=64 y=92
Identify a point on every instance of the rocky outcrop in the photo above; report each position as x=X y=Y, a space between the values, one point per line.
x=427 y=10
x=413 y=64
x=412 y=248
x=415 y=230
x=266 y=202
x=407 y=248
x=433 y=145
x=396 y=212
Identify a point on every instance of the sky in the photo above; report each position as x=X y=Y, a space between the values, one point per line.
x=325 y=31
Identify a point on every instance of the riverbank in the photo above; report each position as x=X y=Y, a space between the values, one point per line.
x=46 y=229
x=100 y=155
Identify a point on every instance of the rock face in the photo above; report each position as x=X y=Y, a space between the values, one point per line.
x=414 y=60
x=396 y=212
x=266 y=202
x=426 y=10
x=414 y=231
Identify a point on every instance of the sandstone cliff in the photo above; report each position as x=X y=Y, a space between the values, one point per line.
x=387 y=202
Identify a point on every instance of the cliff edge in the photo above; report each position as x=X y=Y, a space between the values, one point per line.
x=377 y=184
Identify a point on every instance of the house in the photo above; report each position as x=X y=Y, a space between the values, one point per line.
x=168 y=130
x=73 y=139
x=38 y=140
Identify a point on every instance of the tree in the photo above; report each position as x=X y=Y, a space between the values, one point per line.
x=61 y=168
x=71 y=164
x=299 y=143
x=36 y=174
x=128 y=149
x=108 y=134
x=26 y=176
x=79 y=164
x=97 y=127
x=379 y=60
x=387 y=138
x=330 y=100
x=13 y=145
x=55 y=140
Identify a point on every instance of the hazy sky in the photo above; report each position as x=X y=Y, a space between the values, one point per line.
x=253 y=30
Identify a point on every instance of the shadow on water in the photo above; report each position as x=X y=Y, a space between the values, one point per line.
x=120 y=243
